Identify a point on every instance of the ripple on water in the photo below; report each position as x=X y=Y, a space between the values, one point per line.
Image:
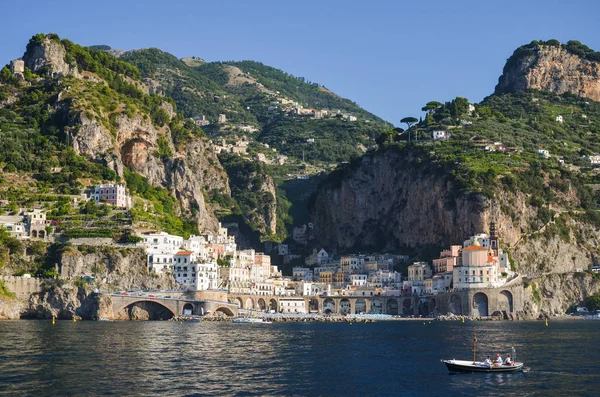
x=207 y=359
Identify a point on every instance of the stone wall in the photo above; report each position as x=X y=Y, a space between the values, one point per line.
x=22 y=287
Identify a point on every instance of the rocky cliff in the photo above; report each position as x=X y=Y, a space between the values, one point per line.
x=121 y=138
x=386 y=201
x=552 y=68
x=398 y=198
x=112 y=268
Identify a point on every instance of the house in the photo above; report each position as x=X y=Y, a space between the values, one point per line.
x=440 y=135
x=14 y=225
x=351 y=118
x=112 y=194
x=322 y=257
x=595 y=159
x=222 y=119
x=36 y=223
x=543 y=153
x=292 y=305
x=559 y=119
x=358 y=280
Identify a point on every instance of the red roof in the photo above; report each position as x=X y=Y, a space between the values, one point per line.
x=474 y=248
x=184 y=253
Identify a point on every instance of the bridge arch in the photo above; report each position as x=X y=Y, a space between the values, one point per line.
x=328 y=306
x=480 y=304
x=249 y=304
x=376 y=306
x=223 y=309
x=345 y=306
x=391 y=307
x=455 y=305
x=273 y=305
x=313 y=305
x=360 y=306
x=505 y=301
x=239 y=302
x=188 y=306
x=146 y=309
x=262 y=305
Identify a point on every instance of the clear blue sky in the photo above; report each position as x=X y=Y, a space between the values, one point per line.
x=391 y=57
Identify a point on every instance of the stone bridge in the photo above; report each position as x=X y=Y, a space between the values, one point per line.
x=476 y=302
x=127 y=307
x=336 y=304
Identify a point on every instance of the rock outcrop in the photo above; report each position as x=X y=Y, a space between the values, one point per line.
x=132 y=140
x=113 y=267
x=48 y=57
x=550 y=68
x=555 y=294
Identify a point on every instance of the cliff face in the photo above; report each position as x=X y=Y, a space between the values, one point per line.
x=132 y=140
x=551 y=68
x=389 y=201
x=114 y=268
x=553 y=295
x=394 y=199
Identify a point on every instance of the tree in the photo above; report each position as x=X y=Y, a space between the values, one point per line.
x=409 y=121
x=385 y=139
x=431 y=106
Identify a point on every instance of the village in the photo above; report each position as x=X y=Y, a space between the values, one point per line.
x=213 y=262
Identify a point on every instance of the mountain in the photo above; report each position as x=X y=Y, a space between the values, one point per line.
x=88 y=118
x=525 y=158
x=265 y=105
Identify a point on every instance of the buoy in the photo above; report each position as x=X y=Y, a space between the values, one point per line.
x=74 y=319
x=463 y=319
x=53 y=320
x=546 y=321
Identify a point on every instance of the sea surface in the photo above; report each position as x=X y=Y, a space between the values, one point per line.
x=293 y=359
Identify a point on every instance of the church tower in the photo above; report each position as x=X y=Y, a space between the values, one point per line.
x=494 y=238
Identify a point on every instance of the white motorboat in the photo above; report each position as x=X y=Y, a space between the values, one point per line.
x=249 y=320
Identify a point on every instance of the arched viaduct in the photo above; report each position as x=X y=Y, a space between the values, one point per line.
x=476 y=302
x=120 y=307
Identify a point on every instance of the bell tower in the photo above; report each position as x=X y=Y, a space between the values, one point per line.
x=493 y=238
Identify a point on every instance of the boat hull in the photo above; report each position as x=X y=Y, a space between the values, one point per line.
x=470 y=367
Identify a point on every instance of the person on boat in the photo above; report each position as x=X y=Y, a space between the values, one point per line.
x=498 y=360
x=488 y=361
x=508 y=360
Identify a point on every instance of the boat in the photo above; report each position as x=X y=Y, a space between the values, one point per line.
x=249 y=320
x=478 y=366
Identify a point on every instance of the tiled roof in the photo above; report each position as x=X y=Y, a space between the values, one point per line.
x=474 y=248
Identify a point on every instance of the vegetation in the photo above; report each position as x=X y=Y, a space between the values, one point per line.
x=593 y=302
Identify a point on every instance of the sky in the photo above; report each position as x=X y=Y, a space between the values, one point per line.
x=390 y=57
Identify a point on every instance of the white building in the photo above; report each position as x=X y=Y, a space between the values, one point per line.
x=322 y=257
x=386 y=278
x=14 y=225
x=543 y=153
x=292 y=305
x=440 y=135
x=358 y=280
x=160 y=250
x=595 y=159
x=299 y=273
x=479 y=268
x=559 y=119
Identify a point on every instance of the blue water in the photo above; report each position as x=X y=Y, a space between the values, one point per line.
x=294 y=359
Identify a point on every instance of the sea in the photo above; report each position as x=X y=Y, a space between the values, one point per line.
x=395 y=358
